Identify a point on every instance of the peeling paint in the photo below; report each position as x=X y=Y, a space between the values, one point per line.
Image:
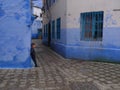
x=109 y=19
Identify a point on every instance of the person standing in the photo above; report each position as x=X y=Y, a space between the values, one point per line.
x=33 y=55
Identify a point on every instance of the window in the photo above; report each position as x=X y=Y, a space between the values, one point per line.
x=53 y=29
x=58 y=26
x=44 y=30
x=49 y=4
x=92 y=25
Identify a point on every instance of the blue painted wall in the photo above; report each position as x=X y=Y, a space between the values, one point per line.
x=108 y=49
x=74 y=47
x=15 y=34
x=35 y=36
x=35 y=26
x=71 y=46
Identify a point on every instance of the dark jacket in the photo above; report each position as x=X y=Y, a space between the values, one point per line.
x=32 y=53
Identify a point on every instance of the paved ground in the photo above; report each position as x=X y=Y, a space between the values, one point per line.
x=57 y=73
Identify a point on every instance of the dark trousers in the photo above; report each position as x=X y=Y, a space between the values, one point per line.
x=34 y=60
x=33 y=56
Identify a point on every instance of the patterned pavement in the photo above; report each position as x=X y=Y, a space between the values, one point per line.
x=56 y=73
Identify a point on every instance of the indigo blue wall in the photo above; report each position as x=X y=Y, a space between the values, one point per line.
x=107 y=50
x=71 y=46
x=15 y=33
x=35 y=26
x=57 y=45
x=34 y=36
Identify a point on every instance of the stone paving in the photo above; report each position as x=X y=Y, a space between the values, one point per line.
x=56 y=73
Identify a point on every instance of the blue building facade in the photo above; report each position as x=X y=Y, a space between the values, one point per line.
x=15 y=33
x=35 y=28
x=83 y=31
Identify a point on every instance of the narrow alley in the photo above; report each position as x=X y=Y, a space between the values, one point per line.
x=56 y=73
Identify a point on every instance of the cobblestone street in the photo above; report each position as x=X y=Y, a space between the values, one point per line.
x=56 y=73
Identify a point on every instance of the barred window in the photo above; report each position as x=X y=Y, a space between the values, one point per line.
x=92 y=25
x=53 y=29
x=58 y=26
x=44 y=30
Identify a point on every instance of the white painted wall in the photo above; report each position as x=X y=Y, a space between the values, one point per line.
x=69 y=11
x=111 y=28
x=58 y=9
x=75 y=7
x=37 y=11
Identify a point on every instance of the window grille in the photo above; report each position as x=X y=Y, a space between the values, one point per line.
x=53 y=29
x=92 y=25
x=58 y=26
x=44 y=30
